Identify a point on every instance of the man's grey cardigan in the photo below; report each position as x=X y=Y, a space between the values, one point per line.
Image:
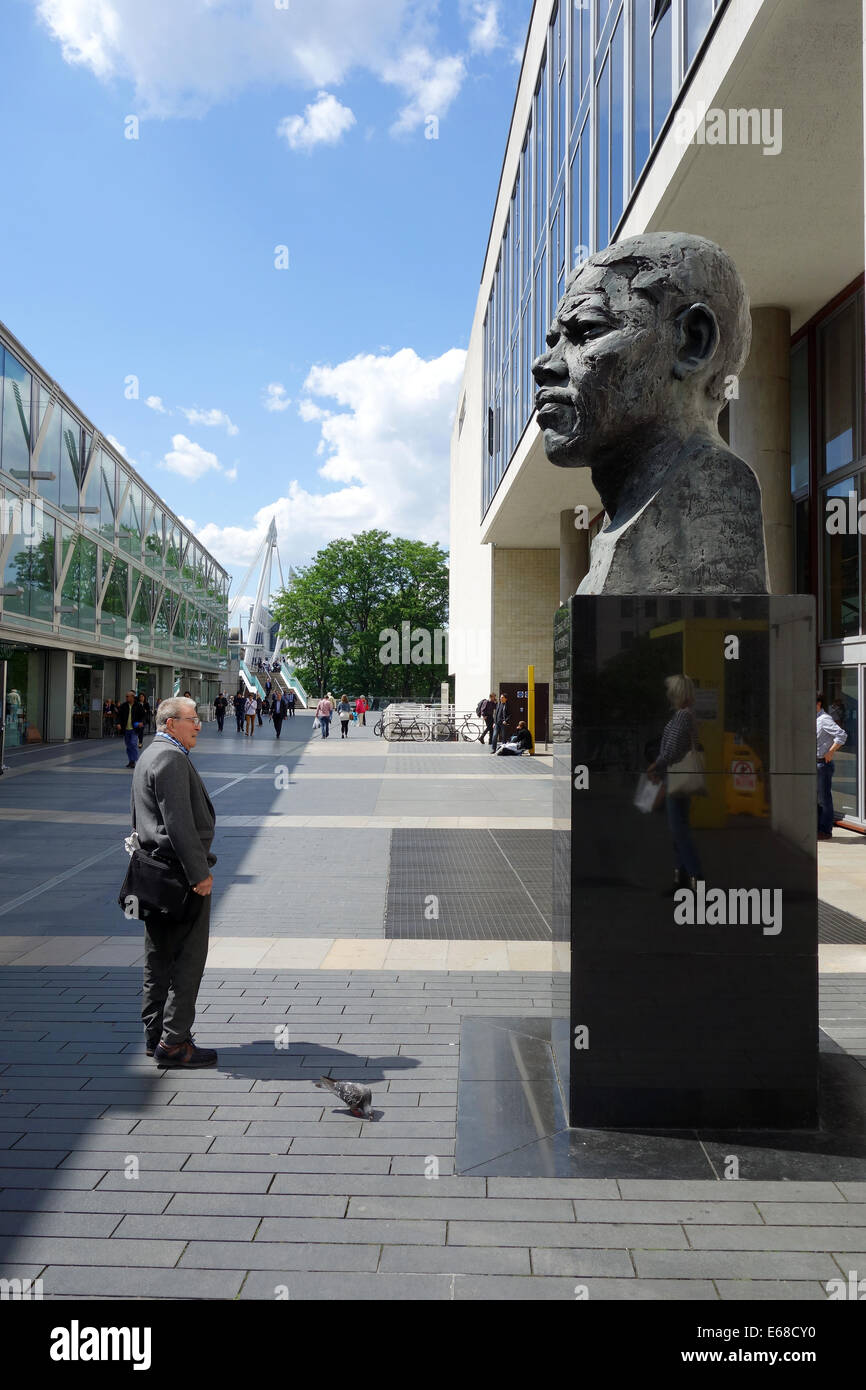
x=171 y=809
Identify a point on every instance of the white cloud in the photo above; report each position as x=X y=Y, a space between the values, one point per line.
x=387 y=457
x=183 y=58
x=155 y=403
x=485 y=34
x=116 y=444
x=430 y=83
x=209 y=418
x=324 y=122
x=232 y=473
x=308 y=410
x=188 y=459
x=276 y=397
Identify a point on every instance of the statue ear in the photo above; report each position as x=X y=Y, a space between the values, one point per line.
x=697 y=339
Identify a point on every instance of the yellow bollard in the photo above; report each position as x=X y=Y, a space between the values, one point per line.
x=530 y=707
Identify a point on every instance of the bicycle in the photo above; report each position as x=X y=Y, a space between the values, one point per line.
x=405 y=728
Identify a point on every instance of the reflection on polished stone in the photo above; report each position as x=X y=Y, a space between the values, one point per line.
x=515 y=1125
x=693 y=925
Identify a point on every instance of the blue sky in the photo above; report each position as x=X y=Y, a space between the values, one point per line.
x=259 y=126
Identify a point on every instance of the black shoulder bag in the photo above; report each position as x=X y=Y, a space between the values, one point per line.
x=154 y=890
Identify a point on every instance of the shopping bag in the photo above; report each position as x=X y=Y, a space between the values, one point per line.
x=317 y=723
x=648 y=793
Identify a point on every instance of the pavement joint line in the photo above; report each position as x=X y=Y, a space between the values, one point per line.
x=520 y=881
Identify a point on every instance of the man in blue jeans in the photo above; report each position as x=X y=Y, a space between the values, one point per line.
x=132 y=717
x=830 y=738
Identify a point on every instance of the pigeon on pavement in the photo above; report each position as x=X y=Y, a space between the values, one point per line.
x=358 y=1098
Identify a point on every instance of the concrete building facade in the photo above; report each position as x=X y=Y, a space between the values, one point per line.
x=739 y=120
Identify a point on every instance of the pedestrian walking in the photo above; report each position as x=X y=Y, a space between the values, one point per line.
x=145 y=724
x=361 y=708
x=290 y=703
x=486 y=709
x=831 y=737
x=239 y=703
x=173 y=821
x=259 y=709
x=130 y=720
x=220 y=705
x=278 y=712
x=324 y=710
x=344 y=710
x=250 y=708
x=500 y=720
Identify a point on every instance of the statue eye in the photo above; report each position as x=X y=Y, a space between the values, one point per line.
x=581 y=330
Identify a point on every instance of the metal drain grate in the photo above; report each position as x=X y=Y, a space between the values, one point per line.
x=483 y=885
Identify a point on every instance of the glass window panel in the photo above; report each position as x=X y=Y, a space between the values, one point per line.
x=107 y=469
x=800 y=417
x=79 y=587
x=838 y=343
x=602 y=226
x=840 y=687
x=526 y=349
x=15 y=457
x=662 y=48
x=802 y=548
x=540 y=122
x=585 y=44
x=616 y=132
x=641 y=84
x=141 y=607
x=841 y=572
x=698 y=14
x=17 y=575
x=585 y=176
x=49 y=452
x=130 y=525
x=70 y=461
x=540 y=305
x=557 y=251
x=527 y=207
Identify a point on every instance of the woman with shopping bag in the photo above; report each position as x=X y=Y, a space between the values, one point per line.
x=680 y=766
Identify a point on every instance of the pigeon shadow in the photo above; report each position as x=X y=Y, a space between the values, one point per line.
x=282 y=1059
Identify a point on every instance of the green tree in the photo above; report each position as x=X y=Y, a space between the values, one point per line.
x=333 y=613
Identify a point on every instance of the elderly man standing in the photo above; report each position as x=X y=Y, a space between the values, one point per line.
x=174 y=819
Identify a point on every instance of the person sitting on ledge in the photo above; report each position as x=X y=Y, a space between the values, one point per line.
x=519 y=743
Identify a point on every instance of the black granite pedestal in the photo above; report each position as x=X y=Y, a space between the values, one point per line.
x=694 y=1007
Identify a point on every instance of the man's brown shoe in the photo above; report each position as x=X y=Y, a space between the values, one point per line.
x=184 y=1055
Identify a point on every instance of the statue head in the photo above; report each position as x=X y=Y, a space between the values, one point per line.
x=644 y=340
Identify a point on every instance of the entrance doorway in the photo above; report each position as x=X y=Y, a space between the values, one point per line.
x=517 y=695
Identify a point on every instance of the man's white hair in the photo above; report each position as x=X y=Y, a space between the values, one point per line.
x=174 y=708
x=680 y=690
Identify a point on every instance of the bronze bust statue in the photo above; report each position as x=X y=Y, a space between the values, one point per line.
x=647 y=339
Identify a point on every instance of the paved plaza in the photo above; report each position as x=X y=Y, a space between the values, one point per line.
x=118 y=1180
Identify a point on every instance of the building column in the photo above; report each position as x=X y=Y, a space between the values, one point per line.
x=573 y=554
x=760 y=433
x=58 y=724
x=125 y=679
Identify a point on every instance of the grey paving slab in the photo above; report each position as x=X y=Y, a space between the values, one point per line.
x=582 y=1264
x=179 y=1227
x=452 y=1259
x=69 y=1200
x=446 y=1208
x=376 y=1185
x=777 y=1237
x=733 y=1264
x=377 y=1288
x=564 y=1233
x=385 y=1232
x=57 y=1223
x=89 y=1251
x=246 y=1204
x=474 y=1287
x=771 y=1290
x=109 y=1281
x=742 y=1190
x=297 y=1256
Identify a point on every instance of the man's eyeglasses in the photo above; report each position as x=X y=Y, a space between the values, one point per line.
x=194 y=717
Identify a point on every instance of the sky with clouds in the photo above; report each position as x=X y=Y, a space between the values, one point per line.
x=246 y=236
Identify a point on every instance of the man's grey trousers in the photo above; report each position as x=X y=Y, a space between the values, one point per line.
x=174 y=960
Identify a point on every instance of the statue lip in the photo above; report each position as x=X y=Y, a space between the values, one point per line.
x=549 y=402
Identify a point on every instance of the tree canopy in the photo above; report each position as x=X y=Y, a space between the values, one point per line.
x=335 y=610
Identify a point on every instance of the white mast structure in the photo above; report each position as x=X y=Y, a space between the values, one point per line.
x=258 y=644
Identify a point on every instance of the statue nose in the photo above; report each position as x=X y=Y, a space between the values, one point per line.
x=549 y=368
